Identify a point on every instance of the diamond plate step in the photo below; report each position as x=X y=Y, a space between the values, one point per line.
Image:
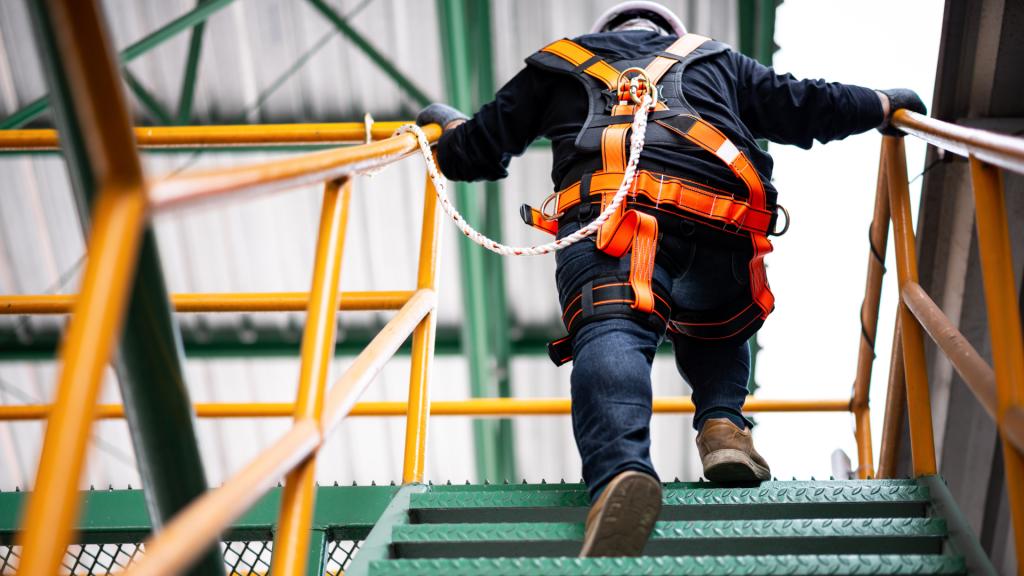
x=773 y=500
x=831 y=565
x=714 y=538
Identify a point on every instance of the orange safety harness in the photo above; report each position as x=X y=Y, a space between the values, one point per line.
x=654 y=197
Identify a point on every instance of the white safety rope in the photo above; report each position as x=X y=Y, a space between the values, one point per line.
x=635 y=147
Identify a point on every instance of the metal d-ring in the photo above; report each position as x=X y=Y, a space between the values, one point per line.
x=786 y=228
x=552 y=217
x=634 y=86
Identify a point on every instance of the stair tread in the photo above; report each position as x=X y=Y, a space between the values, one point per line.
x=821 y=528
x=814 y=494
x=795 y=565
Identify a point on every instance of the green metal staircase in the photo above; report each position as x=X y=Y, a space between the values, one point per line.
x=817 y=527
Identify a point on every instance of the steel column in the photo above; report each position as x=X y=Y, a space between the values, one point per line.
x=878 y=238
x=72 y=33
x=922 y=439
x=423 y=339
x=385 y=65
x=154 y=39
x=482 y=61
x=149 y=365
x=475 y=327
x=1004 y=326
x=292 y=539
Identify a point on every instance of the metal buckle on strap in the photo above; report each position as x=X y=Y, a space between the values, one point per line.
x=556 y=215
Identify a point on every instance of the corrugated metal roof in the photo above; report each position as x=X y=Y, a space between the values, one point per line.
x=266 y=244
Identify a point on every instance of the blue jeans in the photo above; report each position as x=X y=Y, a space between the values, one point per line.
x=611 y=374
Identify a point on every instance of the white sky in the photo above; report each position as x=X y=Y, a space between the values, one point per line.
x=818 y=270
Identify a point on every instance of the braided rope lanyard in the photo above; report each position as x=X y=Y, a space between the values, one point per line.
x=635 y=147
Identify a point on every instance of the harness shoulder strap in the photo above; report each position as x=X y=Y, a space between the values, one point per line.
x=679 y=49
x=584 y=60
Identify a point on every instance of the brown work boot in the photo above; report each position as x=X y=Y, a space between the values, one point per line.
x=728 y=454
x=623 y=517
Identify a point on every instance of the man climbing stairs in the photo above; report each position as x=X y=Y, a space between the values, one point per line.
x=834 y=527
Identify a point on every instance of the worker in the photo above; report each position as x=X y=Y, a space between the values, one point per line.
x=683 y=256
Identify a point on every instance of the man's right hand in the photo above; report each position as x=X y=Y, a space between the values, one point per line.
x=440 y=114
x=900 y=98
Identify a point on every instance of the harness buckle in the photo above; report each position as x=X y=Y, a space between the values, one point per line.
x=637 y=87
x=555 y=215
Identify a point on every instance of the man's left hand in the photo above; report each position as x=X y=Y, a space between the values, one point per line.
x=440 y=114
x=899 y=98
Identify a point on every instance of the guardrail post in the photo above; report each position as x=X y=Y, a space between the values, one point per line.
x=294 y=535
x=79 y=64
x=1004 y=324
x=423 y=342
x=922 y=439
x=878 y=238
x=895 y=400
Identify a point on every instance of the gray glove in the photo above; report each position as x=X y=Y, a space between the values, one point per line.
x=440 y=114
x=900 y=98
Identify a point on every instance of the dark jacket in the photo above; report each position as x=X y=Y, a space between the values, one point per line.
x=740 y=97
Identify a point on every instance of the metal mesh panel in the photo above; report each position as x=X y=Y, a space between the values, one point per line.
x=240 y=558
x=339 y=556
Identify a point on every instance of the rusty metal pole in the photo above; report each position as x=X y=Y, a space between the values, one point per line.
x=1004 y=325
x=922 y=439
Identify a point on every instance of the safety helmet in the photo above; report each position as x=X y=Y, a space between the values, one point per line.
x=652 y=11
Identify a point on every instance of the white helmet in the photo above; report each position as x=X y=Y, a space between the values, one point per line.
x=652 y=11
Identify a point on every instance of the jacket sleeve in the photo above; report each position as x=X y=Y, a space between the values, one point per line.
x=782 y=109
x=482 y=147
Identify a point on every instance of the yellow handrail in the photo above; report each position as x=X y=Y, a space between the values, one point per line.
x=999 y=390
x=203 y=136
x=479 y=407
x=224 y=302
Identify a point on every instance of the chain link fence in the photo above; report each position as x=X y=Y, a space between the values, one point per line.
x=250 y=558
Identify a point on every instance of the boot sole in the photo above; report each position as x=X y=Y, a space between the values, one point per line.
x=627 y=519
x=729 y=465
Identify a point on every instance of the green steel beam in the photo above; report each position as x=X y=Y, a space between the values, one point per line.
x=119 y=516
x=475 y=336
x=188 y=20
x=145 y=98
x=22 y=346
x=411 y=89
x=378 y=545
x=478 y=14
x=150 y=359
x=188 y=84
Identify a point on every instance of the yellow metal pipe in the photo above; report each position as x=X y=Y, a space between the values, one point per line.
x=922 y=440
x=1004 y=325
x=419 y=407
x=997 y=149
x=194 y=529
x=371 y=360
x=118 y=218
x=895 y=401
x=197 y=187
x=233 y=135
x=975 y=371
x=485 y=407
x=878 y=237
x=197 y=526
x=217 y=302
x=291 y=541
